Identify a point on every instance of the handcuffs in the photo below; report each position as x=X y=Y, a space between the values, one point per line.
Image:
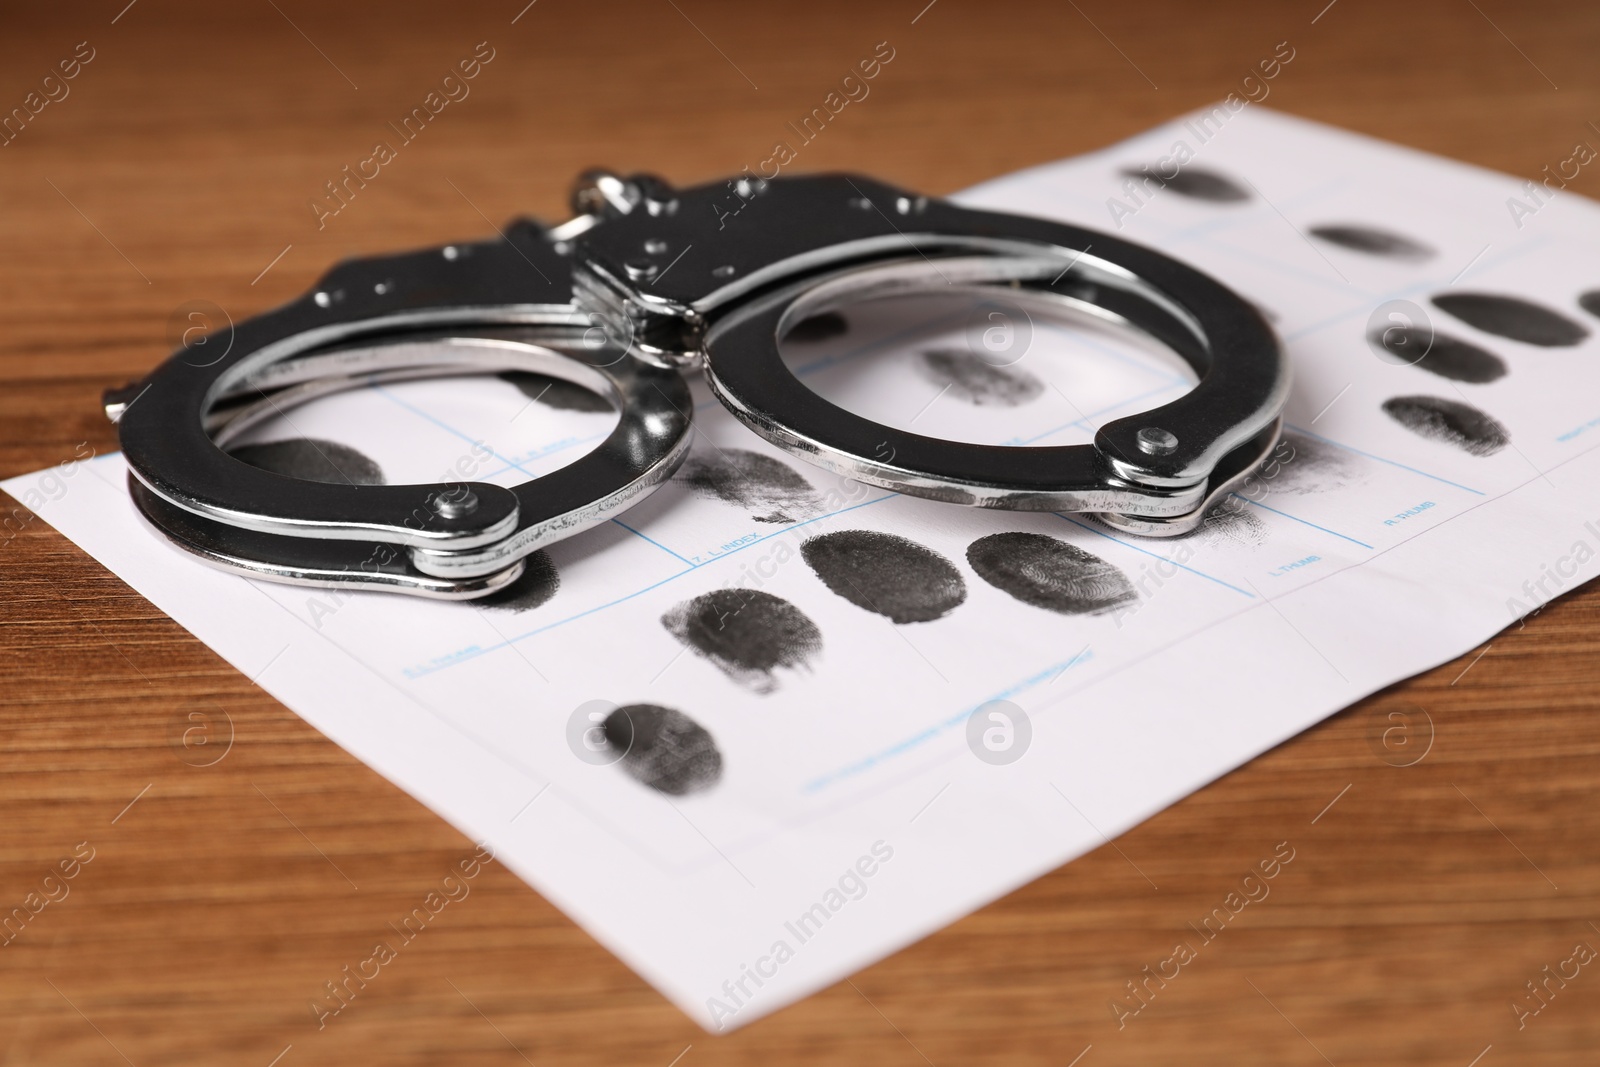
x=645 y=284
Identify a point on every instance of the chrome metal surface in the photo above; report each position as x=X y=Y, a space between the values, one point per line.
x=1235 y=469
x=347 y=565
x=646 y=446
x=465 y=309
x=737 y=264
x=746 y=371
x=648 y=281
x=518 y=279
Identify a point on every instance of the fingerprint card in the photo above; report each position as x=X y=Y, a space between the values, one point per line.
x=772 y=724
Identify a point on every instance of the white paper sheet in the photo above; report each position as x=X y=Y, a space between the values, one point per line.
x=848 y=793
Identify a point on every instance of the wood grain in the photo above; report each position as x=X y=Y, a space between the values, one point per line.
x=182 y=163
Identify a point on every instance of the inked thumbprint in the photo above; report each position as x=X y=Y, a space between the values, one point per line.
x=664 y=749
x=555 y=392
x=1373 y=241
x=1302 y=465
x=539 y=582
x=771 y=490
x=1450 y=422
x=975 y=381
x=1513 y=317
x=1233 y=524
x=886 y=574
x=823 y=327
x=312 y=459
x=1196 y=183
x=1050 y=573
x=1448 y=357
x=747 y=634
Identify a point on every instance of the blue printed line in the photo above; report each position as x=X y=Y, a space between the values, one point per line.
x=1298 y=519
x=476 y=652
x=653 y=541
x=445 y=426
x=1381 y=459
x=1084 y=422
x=797 y=525
x=1052 y=672
x=689 y=569
x=1346 y=287
x=1577 y=432
x=1176 y=238
x=1222 y=225
x=560 y=446
x=1156 y=555
x=1420 y=287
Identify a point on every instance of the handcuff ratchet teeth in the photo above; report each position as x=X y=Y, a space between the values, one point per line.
x=645 y=284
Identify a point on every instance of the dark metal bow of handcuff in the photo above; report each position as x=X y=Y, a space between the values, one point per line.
x=647 y=282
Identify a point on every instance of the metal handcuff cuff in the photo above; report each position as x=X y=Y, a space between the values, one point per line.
x=646 y=283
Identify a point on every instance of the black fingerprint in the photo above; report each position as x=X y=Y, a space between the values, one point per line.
x=748 y=634
x=312 y=459
x=1590 y=302
x=555 y=392
x=1449 y=421
x=1513 y=317
x=1302 y=465
x=1446 y=356
x=664 y=748
x=823 y=327
x=1198 y=184
x=770 y=489
x=886 y=574
x=1233 y=524
x=1049 y=573
x=538 y=583
x=1373 y=241
x=975 y=381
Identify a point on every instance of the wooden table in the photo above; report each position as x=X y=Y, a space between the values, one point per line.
x=179 y=169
